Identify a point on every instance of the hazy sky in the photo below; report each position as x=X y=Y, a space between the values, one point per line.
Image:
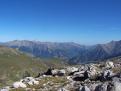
x=81 y=21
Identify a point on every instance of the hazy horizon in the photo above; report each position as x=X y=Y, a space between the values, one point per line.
x=62 y=42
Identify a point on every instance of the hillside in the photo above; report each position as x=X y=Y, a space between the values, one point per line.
x=98 y=53
x=47 y=49
x=102 y=76
x=72 y=52
x=14 y=64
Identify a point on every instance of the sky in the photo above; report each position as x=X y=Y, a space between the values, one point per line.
x=80 y=21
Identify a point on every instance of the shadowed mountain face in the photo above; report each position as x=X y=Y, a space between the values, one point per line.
x=98 y=52
x=72 y=52
x=47 y=49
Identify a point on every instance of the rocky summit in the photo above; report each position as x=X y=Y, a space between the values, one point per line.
x=105 y=76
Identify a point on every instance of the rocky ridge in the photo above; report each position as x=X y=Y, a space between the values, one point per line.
x=72 y=53
x=89 y=77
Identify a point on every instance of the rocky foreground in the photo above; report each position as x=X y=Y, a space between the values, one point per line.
x=88 y=77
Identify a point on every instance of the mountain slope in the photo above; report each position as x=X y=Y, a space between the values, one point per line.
x=47 y=49
x=72 y=52
x=14 y=64
x=98 y=53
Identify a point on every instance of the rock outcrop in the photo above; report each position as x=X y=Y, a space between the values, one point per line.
x=88 y=77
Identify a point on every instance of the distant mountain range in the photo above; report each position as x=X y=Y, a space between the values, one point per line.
x=47 y=49
x=71 y=52
x=99 y=52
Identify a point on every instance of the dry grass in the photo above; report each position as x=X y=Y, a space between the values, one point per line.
x=47 y=82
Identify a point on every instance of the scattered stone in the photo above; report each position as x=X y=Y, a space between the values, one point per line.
x=19 y=85
x=62 y=89
x=88 y=77
x=81 y=77
x=84 y=88
x=30 y=81
x=109 y=64
x=5 y=89
x=117 y=86
x=72 y=70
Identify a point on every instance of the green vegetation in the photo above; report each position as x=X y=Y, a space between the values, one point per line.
x=14 y=65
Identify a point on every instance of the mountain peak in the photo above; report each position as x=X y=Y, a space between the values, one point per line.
x=68 y=50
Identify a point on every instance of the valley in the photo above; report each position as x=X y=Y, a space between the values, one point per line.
x=14 y=64
x=38 y=66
